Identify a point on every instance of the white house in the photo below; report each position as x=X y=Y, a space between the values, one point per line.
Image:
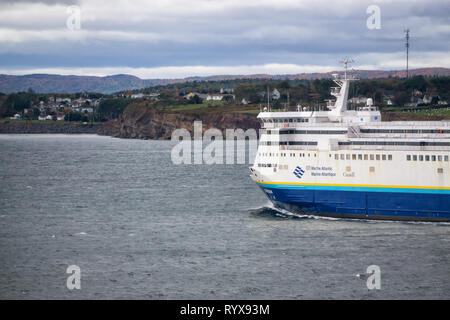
x=358 y=100
x=427 y=99
x=226 y=90
x=214 y=97
x=60 y=100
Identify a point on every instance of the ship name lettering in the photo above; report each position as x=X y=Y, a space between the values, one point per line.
x=321 y=168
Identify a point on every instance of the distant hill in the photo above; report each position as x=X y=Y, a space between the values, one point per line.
x=49 y=83
x=362 y=74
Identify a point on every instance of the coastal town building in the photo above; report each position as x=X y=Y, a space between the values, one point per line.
x=214 y=97
x=358 y=100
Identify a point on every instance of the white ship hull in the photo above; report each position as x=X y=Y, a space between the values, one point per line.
x=347 y=163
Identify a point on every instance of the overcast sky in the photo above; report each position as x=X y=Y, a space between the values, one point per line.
x=179 y=38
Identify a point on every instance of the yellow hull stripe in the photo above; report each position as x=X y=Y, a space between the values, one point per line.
x=351 y=185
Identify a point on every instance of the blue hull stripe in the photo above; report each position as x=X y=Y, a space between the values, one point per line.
x=358 y=202
x=347 y=188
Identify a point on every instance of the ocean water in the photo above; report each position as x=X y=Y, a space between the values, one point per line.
x=139 y=227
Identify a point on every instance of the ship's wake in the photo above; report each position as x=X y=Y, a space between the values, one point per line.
x=269 y=211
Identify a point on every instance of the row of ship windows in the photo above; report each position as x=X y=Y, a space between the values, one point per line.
x=363 y=156
x=336 y=156
x=285 y=120
x=348 y=168
x=394 y=143
x=292 y=131
x=283 y=154
x=288 y=143
x=359 y=143
x=426 y=158
x=404 y=131
x=348 y=156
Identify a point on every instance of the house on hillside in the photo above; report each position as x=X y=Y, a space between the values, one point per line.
x=137 y=96
x=226 y=90
x=415 y=101
x=358 y=100
x=214 y=97
x=192 y=94
x=433 y=99
x=63 y=100
x=427 y=99
x=16 y=117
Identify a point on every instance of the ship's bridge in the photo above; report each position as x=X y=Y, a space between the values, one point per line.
x=299 y=118
x=337 y=110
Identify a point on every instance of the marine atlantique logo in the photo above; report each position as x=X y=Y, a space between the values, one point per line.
x=298 y=172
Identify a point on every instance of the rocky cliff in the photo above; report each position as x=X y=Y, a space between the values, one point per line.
x=147 y=122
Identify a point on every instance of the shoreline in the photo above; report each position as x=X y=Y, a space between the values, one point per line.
x=154 y=125
x=49 y=127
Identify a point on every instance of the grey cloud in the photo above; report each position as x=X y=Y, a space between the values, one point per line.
x=253 y=35
x=49 y=2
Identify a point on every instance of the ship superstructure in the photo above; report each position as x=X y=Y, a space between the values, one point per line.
x=348 y=163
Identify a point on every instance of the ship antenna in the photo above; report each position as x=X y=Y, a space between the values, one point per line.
x=407 y=51
x=346 y=62
x=288 y=100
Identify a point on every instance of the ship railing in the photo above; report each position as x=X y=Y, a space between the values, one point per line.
x=298 y=148
x=408 y=124
x=318 y=125
x=394 y=148
x=367 y=108
x=405 y=135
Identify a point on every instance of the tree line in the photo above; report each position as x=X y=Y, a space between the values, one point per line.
x=254 y=91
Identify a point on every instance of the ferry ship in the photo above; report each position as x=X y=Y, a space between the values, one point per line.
x=349 y=164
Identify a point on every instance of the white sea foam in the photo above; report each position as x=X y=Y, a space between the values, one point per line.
x=269 y=205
